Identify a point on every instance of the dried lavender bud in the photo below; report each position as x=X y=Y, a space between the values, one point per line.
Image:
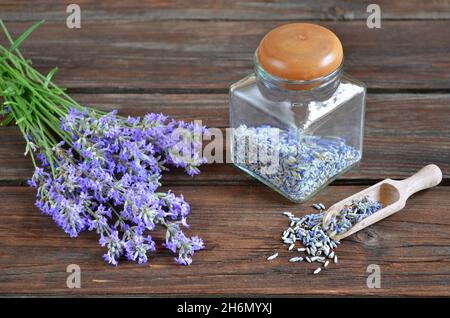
x=272 y=257
x=317 y=206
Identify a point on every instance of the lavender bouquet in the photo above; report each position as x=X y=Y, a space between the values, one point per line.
x=99 y=171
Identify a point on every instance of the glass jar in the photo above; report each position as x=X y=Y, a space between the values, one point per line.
x=297 y=121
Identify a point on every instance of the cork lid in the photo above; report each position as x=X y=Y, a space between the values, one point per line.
x=300 y=52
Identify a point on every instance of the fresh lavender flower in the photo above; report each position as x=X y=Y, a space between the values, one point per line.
x=107 y=181
x=114 y=244
x=97 y=171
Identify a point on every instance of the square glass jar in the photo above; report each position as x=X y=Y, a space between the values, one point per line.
x=296 y=136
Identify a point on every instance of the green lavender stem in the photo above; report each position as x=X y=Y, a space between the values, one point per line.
x=35 y=103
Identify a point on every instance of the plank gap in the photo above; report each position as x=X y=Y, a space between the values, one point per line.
x=206 y=91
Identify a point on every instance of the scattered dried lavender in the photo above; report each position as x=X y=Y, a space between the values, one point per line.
x=303 y=164
x=317 y=244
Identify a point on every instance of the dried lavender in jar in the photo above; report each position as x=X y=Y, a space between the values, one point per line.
x=298 y=83
x=293 y=164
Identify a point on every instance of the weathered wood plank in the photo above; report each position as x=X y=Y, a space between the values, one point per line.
x=148 y=10
x=241 y=226
x=403 y=133
x=210 y=55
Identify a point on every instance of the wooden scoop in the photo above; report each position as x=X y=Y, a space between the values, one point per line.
x=391 y=193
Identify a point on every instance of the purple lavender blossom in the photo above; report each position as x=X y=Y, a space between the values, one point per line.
x=105 y=179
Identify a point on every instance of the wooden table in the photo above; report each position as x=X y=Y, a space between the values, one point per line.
x=179 y=57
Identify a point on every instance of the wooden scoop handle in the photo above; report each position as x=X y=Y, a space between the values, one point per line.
x=427 y=177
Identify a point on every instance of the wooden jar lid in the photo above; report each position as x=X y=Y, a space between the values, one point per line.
x=300 y=52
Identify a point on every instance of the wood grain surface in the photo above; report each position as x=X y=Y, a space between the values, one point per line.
x=147 y=10
x=207 y=56
x=415 y=123
x=179 y=58
x=241 y=226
